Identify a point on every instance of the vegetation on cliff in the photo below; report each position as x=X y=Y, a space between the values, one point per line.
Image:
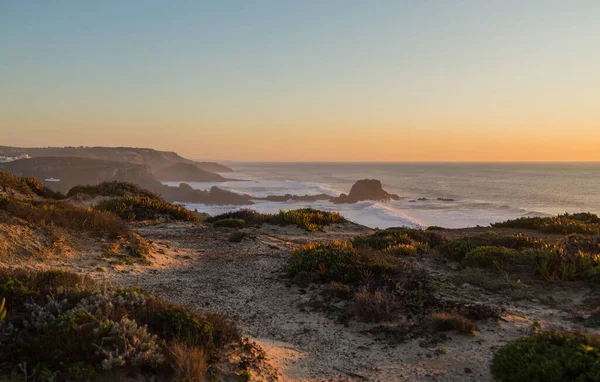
x=133 y=203
x=549 y=357
x=307 y=218
x=62 y=326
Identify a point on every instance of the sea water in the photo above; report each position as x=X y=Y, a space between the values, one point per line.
x=482 y=193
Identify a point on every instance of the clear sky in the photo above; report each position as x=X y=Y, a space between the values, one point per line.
x=420 y=80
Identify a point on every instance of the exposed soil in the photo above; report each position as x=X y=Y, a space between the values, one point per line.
x=198 y=266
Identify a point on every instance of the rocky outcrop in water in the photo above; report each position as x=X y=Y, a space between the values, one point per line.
x=365 y=189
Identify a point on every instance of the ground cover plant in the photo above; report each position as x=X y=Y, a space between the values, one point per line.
x=571 y=257
x=373 y=285
x=580 y=223
x=549 y=357
x=307 y=218
x=111 y=189
x=143 y=208
x=103 y=332
x=133 y=203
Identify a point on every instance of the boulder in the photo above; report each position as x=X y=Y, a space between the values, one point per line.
x=366 y=189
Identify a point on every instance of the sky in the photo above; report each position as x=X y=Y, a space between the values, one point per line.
x=345 y=80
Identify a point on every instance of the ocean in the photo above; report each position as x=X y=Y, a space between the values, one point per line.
x=483 y=193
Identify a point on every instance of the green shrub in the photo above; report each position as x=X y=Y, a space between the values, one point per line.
x=250 y=217
x=340 y=261
x=549 y=357
x=490 y=257
x=112 y=189
x=142 y=208
x=580 y=223
x=457 y=249
x=393 y=236
x=435 y=228
x=310 y=219
x=555 y=263
x=382 y=240
x=229 y=223
x=99 y=328
x=402 y=250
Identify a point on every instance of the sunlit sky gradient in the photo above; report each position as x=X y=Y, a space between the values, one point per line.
x=306 y=80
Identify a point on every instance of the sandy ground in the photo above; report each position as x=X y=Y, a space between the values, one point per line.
x=198 y=266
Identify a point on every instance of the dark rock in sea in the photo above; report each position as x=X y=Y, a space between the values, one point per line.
x=366 y=189
x=446 y=199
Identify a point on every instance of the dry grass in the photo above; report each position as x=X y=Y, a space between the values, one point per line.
x=373 y=306
x=48 y=227
x=189 y=362
x=450 y=321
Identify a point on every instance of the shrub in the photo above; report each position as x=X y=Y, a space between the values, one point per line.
x=490 y=257
x=310 y=219
x=518 y=241
x=402 y=250
x=307 y=218
x=382 y=240
x=457 y=249
x=373 y=306
x=555 y=263
x=250 y=217
x=340 y=261
x=446 y=321
x=141 y=208
x=101 y=329
x=229 y=223
x=114 y=188
x=549 y=357
x=336 y=261
x=581 y=223
x=394 y=236
x=238 y=236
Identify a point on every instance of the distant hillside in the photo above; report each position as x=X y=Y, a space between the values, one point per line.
x=84 y=171
x=186 y=172
x=75 y=171
x=148 y=157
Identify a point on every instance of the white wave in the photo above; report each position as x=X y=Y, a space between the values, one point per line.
x=393 y=214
